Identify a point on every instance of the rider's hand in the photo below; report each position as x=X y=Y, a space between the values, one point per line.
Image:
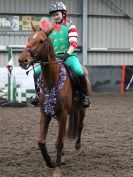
x=66 y=55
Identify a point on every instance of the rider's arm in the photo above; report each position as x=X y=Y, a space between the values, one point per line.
x=73 y=39
x=71 y=50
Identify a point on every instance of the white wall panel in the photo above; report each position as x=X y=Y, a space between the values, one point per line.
x=106 y=59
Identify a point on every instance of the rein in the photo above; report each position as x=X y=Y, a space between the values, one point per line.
x=45 y=63
x=50 y=62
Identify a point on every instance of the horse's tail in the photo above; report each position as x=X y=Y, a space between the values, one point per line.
x=73 y=122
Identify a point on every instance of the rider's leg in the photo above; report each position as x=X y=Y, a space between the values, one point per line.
x=74 y=63
x=85 y=96
x=34 y=98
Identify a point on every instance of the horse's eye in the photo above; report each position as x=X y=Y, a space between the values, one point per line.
x=41 y=41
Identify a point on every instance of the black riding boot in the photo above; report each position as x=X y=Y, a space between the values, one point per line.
x=84 y=90
x=34 y=100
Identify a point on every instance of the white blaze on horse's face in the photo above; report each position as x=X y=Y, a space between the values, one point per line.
x=34 y=36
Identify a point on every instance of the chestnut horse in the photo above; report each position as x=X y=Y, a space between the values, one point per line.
x=55 y=94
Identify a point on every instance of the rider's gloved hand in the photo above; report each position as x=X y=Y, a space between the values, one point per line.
x=66 y=55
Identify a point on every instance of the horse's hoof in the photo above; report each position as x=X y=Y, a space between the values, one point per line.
x=62 y=160
x=78 y=151
x=57 y=172
x=50 y=165
x=56 y=175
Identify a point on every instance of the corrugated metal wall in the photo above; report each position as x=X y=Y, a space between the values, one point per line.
x=110 y=58
x=108 y=32
x=34 y=7
x=108 y=27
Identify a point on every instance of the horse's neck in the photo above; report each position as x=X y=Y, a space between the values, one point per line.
x=51 y=73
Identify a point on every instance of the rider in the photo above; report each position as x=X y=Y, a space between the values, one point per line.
x=64 y=38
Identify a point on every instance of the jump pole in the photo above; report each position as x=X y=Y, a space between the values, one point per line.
x=12 y=83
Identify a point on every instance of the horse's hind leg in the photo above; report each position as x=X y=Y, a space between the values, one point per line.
x=80 y=125
x=44 y=124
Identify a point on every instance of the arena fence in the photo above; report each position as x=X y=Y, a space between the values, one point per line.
x=13 y=93
x=21 y=96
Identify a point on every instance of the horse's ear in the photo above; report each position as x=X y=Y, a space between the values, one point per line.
x=34 y=28
x=49 y=30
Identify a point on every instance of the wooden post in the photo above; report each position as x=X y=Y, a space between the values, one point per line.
x=122 y=86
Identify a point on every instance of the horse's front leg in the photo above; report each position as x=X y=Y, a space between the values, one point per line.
x=44 y=124
x=60 y=141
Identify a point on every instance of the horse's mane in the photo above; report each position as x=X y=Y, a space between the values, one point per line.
x=48 y=32
x=51 y=49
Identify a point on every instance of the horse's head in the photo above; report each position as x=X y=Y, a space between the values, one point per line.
x=37 y=48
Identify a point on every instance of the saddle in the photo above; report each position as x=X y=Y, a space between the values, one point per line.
x=74 y=80
x=77 y=87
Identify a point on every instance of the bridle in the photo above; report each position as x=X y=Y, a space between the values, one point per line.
x=36 y=55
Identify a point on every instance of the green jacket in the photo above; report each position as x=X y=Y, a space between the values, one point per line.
x=60 y=39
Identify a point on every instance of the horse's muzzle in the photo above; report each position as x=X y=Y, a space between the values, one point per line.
x=24 y=64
